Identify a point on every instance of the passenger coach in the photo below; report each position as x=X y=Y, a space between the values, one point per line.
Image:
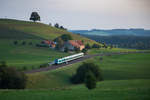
x=68 y=58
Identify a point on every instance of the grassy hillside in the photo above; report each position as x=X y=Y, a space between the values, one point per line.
x=29 y=55
x=116 y=67
x=125 y=77
x=15 y=29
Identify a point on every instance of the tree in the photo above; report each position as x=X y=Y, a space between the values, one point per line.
x=95 y=46
x=90 y=80
x=30 y=43
x=84 y=51
x=24 y=43
x=61 y=27
x=77 y=50
x=66 y=49
x=35 y=16
x=56 y=25
x=10 y=78
x=60 y=44
x=79 y=77
x=15 y=42
x=66 y=37
x=87 y=46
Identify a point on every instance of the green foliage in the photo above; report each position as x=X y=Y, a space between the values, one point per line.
x=24 y=43
x=105 y=45
x=66 y=49
x=77 y=50
x=84 y=51
x=90 y=80
x=60 y=44
x=79 y=77
x=30 y=43
x=15 y=42
x=95 y=46
x=66 y=37
x=35 y=16
x=87 y=46
x=10 y=78
x=56 y=25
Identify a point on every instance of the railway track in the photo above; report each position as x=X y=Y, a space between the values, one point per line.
x=52 y=67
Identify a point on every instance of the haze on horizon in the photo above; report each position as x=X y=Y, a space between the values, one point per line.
x=82 y=14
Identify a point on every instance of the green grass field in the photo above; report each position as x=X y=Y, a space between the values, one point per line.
x=126 y=77
x=26 y=55
x=29 y=56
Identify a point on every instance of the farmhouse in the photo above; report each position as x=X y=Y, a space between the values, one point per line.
x=72 y=44
x=51 y=44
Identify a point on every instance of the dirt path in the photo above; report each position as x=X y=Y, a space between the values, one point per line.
x=52 y=67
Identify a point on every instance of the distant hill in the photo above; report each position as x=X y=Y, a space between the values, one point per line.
x=133 y=32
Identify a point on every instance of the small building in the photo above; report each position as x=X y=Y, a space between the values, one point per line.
x=72 y=44
x=51 y=44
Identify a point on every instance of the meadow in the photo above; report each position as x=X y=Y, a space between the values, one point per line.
x=126 y=77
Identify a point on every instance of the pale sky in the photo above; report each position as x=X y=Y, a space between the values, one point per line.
x=82 y=14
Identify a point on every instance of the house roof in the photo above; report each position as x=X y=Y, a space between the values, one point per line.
x=49 y=42
x=76 y=43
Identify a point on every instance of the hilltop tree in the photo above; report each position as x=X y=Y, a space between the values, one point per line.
x=56 y=25
x=35 y=16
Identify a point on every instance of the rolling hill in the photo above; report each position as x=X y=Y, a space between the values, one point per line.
x=27 y=55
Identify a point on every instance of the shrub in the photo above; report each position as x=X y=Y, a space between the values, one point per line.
x=66 y=37
x=79 y=77
x=87 y=46
x=90 y=80
x=24 y=43
x=15 y=42
x=95 y=46
x=66 y=49
x=10 y=78
x=44 y=65
x=84 y=51
x=77 y=50
x=30 y=43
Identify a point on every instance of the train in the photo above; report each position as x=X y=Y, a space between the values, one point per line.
x=67 y=59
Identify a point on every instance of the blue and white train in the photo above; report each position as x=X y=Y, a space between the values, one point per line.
x=67 y=59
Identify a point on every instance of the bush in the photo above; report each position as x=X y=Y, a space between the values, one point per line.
x=95 y=46
x=66 y=49
x=84 y=51
x=15 y=42
x=66 y=37
x=77 y=50
x=10 y=78
x=79 y=77
x=90 y=80
x=44 y=65
x=30 y=43
x=24 y=43
x=87 y=46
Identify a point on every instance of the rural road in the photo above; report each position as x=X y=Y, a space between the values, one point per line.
x=52 y=67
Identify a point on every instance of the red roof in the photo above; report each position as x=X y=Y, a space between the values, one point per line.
x=49 y=42
x=76 y=43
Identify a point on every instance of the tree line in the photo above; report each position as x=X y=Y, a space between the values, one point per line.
x=135 y=42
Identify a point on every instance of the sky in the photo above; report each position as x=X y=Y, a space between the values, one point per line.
x=82 y=14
